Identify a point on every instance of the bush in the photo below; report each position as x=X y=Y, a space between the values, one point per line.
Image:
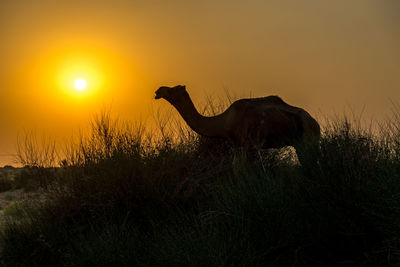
x=121 y=200
x=6 y=182
x=33 y=178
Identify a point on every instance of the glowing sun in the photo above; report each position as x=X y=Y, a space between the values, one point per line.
x=80 y=84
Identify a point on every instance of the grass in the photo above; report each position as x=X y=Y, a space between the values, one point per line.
x=122 y=198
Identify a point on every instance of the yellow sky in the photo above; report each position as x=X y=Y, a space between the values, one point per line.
x=318 y=54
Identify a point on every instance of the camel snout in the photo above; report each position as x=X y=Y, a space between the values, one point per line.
x=157 y=97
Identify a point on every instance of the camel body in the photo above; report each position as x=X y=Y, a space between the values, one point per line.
x=266 y=122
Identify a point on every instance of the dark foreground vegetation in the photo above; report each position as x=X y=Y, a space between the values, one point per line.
x=121 y=198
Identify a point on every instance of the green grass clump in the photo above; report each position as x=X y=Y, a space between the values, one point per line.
x=121 y=199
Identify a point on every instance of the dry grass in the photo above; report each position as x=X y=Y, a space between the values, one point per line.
x=126 y=198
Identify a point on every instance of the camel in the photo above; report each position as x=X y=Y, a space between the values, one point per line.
x=255 y=123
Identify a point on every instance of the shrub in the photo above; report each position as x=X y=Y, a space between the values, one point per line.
x=122 y=200
x=6 y=182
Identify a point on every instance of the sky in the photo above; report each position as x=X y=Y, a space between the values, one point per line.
x=324 y=56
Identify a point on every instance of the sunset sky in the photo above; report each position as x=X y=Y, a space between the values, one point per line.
x=324 y=56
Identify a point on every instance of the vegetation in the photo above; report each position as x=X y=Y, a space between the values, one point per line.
x=124 y=198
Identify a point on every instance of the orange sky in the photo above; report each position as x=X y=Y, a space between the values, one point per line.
x=320 y=55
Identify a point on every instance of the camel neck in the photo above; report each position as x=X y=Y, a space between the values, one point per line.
x=207 y=126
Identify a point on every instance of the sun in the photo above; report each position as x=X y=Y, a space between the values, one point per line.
x=80 y=84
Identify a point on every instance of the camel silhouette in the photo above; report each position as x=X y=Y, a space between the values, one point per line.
x=255 y=123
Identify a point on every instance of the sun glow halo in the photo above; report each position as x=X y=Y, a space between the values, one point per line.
x=80 y=84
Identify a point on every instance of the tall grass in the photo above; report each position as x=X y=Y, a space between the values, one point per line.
x=124 y=198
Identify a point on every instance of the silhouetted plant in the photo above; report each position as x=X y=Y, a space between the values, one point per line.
x=127 y=198
x=36 y=153
x=6 y=182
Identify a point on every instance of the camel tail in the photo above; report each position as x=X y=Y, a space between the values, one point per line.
x=308 y=150
x=311 y=128
x=315 y=128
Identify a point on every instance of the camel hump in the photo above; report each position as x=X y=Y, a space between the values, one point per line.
x=275 y=99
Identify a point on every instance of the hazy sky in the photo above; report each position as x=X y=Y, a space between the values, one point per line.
x=321 y=55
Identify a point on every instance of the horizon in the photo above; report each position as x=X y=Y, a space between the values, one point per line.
x=64 y=61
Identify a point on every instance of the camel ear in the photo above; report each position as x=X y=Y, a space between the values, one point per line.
x=180 y=88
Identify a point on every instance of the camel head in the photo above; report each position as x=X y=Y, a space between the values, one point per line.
x=170 y=93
